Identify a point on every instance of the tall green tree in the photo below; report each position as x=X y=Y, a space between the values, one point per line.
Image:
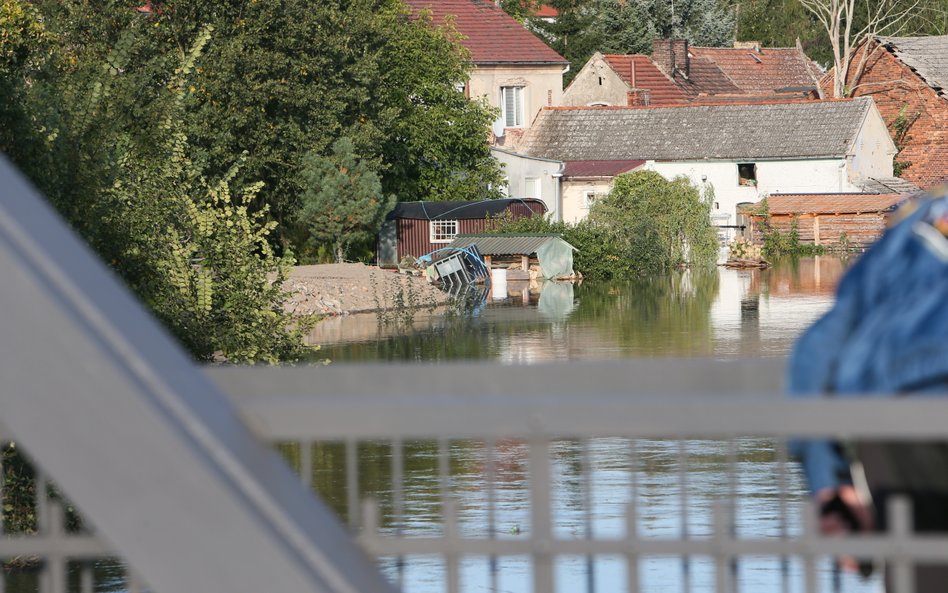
x=571 y=34
x=288 y=77
x=343 y=202
x=183 y=241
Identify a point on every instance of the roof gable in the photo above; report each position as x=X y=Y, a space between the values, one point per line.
x=759 y=70
x=803 y=129
x=638 y=72
x=490 y=34
x=926 y=56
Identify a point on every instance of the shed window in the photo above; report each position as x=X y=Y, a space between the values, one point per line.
x=747 y=174
x=511 y=105
x=442 y=231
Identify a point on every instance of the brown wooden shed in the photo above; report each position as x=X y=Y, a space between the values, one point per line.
x=857 y=219
x=417 y=228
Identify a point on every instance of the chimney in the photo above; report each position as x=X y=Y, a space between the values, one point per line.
x=638 y=97
x=671 y=55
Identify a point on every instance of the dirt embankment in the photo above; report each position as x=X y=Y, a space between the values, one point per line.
x=339 y=289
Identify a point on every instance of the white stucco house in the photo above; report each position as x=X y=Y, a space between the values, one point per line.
x=513 y=69
x=740 y=152
x=532 y=177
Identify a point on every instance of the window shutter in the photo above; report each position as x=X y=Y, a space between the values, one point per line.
x=510 y=107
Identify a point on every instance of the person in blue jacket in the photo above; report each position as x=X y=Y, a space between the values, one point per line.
x=886 y=336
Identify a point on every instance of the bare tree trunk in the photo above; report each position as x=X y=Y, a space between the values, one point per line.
x=883 y=17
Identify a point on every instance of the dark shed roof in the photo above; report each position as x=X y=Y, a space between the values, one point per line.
x=460 y=209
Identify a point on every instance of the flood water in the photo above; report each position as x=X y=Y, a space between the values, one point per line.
x=722 y=314
x=726 y=314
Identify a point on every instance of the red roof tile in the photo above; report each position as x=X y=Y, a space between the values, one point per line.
x=546 y=12
x=599 y=168
x=490 y=34
x=832 y=203
x=639 y=72
x=763 y=70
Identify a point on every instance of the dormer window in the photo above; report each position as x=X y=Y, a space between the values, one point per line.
x=511 y=106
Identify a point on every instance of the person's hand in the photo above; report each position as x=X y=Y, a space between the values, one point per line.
x=842 y=511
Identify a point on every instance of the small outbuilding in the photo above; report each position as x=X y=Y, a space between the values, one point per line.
x=838 y=219
x=553 y=255
x=417 y=228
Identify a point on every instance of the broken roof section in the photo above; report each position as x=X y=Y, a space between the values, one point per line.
x=887 y=185
x=804 y=129
x=490 y=34
x=927 y=56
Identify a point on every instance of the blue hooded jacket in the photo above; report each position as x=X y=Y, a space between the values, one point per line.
x=886 y=334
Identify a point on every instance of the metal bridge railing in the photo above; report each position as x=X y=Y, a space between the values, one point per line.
x=175 y=472
x=582 y=413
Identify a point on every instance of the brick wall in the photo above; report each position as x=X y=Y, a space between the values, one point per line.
x=895 y=86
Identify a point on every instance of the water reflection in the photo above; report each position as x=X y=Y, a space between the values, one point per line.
x=722 y=313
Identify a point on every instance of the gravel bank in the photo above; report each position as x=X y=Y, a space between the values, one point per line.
x=340 y=289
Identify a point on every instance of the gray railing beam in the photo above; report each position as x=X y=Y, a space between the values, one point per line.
x=138 y=437
x=636 y=398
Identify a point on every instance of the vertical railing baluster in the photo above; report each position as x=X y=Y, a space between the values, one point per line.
x=306 y=464
x=86 y=584
x=491 y=469
x=810 y=535
x=451 y=532
x=398 y=502
x=731 y=508
x=899 y=509
x=540 y=528
x=631 y=521
x=586 y=466
x=683 y=510
x=720 y=520
x=352 y=484
x=782 y=512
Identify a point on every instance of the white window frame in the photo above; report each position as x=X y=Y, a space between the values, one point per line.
x=516 y=118
x=532 y=183
x=442 y=231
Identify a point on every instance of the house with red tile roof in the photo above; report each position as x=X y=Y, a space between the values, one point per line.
x=676 y=73
x=622 y=80
x=513 y=68
x=907 y=77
